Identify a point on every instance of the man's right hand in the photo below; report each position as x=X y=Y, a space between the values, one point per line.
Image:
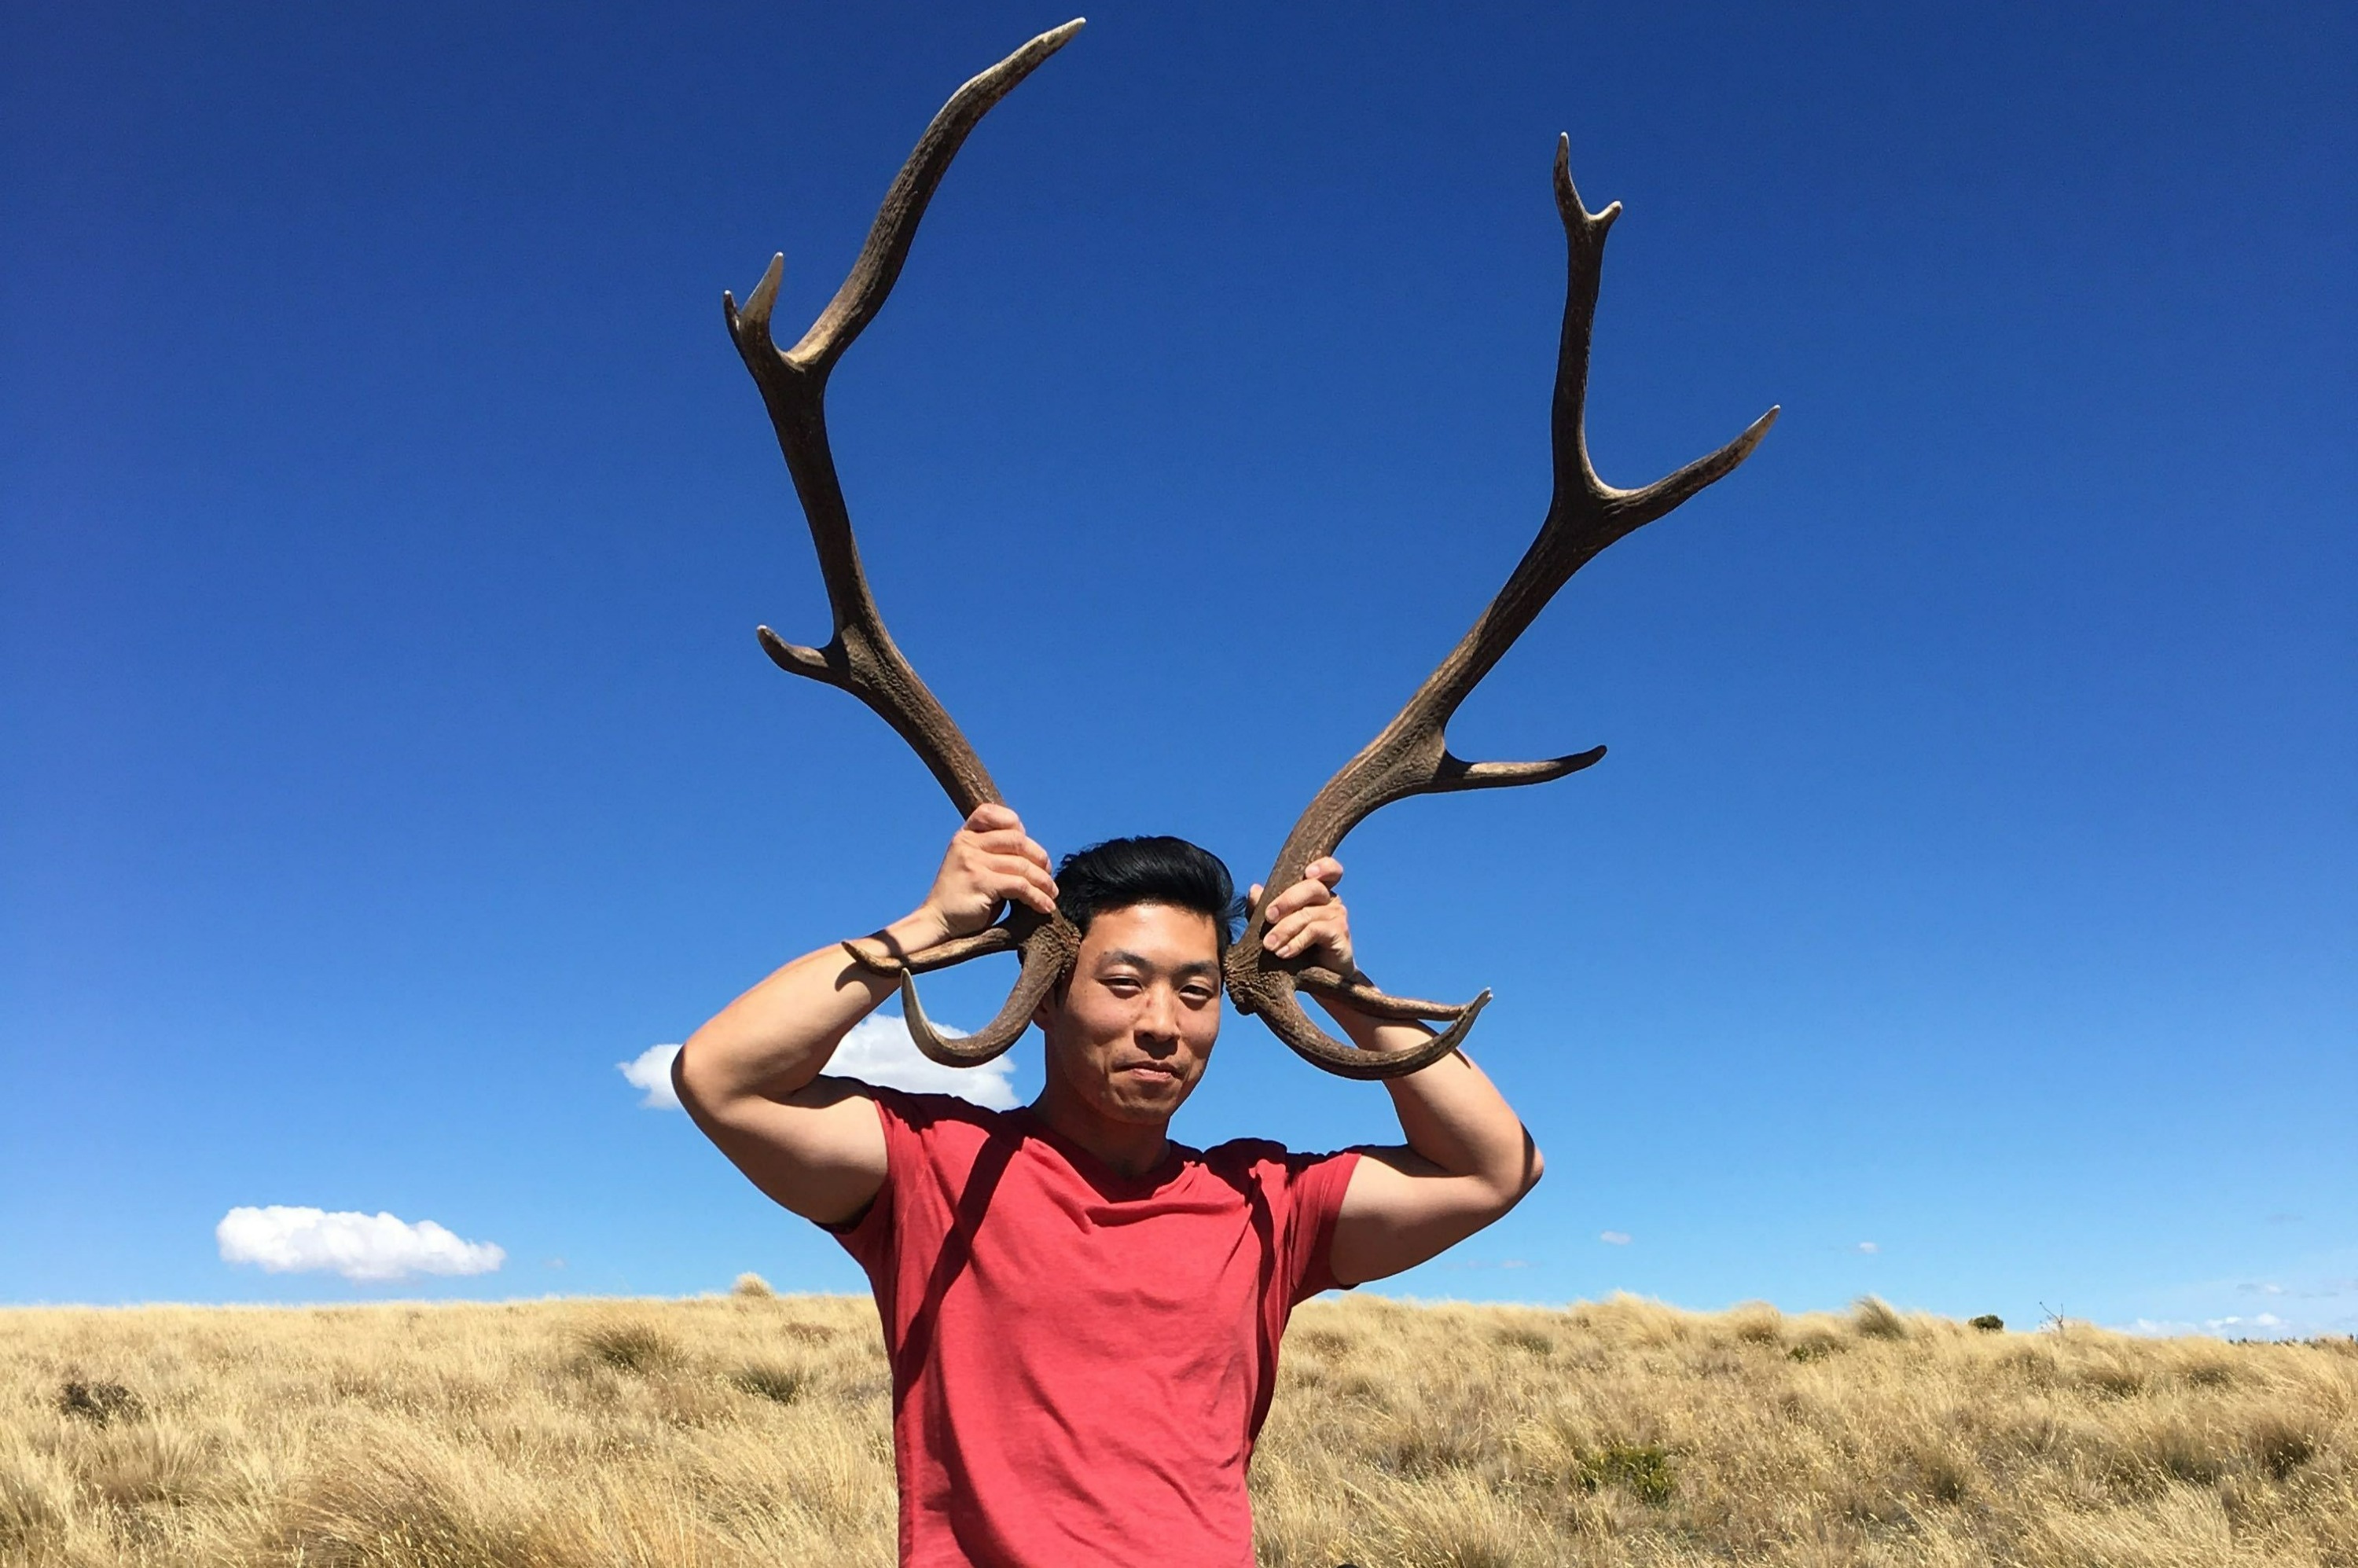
x=991 y=863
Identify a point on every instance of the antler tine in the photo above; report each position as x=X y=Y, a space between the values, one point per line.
x=872 y=276
x=1410 y=755
x=1286 y=1020
x=861 y=657
x=1048 y=951
x=1584 y=233
x=1666 y=495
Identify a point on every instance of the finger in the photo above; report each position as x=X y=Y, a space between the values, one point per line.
x=992 y=814
x=1300 y=931
x=1016 y=889
x=1283 y=905
x=1017 y=869
x=1326 y=868
x=1253 y=894
x=1013 y=877
x=1011 y=841
x=1328 y=927
x=1304 y=895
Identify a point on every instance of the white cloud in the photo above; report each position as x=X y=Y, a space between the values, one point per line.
x=1868 y=1246
x=2156 y=1328
x=1614 y=1237
x=879 y=1051
x=2265 y=1325
x=650 y=1072
x=284 y=1240
x=876 y=1051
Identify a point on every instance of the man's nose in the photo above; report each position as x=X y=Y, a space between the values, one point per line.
x=1159 y=1023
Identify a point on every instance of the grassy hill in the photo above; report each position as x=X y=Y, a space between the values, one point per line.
x=751 y=1430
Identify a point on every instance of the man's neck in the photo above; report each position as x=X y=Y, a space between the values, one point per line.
x=1129 y=1147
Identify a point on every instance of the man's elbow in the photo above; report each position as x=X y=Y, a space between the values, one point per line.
x=692 y=1082
x=1511 y=1181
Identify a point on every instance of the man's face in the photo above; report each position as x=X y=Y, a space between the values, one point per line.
x=1131 y=1031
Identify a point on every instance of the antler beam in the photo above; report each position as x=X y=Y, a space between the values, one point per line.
x=1412 y=756
x=861 y=657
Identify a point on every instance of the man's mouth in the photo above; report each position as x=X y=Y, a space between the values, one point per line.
x=1152 y=1070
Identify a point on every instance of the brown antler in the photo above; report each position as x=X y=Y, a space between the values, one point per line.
x=1412 y=755
x=861 y=658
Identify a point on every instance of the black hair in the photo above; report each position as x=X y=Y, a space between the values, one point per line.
x=1161 y=870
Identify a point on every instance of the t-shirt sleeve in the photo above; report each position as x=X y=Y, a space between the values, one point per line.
x=1314 y=1185
x=867 y=1235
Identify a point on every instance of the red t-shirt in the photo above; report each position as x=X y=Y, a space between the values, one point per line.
x=1081 y=1359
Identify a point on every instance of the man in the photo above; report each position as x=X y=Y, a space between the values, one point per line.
x=1082 y=1315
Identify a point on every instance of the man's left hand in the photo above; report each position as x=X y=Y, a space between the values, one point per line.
x=1308 y=919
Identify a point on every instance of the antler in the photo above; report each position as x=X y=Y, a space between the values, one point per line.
x=861 y=657
x=1412 y=755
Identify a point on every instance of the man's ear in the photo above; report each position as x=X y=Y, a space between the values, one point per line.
x=1051 y=1002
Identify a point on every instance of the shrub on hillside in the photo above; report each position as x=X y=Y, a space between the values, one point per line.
x=1871 y=1317
x=630 y=1347
x=97 y=1403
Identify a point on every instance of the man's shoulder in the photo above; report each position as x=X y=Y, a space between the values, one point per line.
x=1263 y=1156
x=923 y=1109
x=1236 y=1149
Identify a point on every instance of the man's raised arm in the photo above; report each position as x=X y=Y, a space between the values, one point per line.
x=1468 y=1160
x=750 y=1076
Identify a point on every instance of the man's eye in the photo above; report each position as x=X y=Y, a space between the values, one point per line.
x=1122 y=983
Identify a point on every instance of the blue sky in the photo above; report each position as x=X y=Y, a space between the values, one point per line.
x=386 y=517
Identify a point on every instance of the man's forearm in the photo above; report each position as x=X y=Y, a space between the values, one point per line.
x=1450 y=1112
x=778 y=1036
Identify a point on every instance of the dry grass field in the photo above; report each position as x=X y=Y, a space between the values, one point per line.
x=751 y=1428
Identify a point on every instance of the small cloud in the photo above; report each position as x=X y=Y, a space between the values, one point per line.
x=285 y=1240
x=1514 y=1262
x=1868 y=1246
x=2151 y=1328
x=650 y=1073
x=878 y=1051
x=2260 y=1325
x=1614 y=1237
x=2261 y=1288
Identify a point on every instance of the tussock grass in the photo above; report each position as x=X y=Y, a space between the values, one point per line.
x=751 y=1427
